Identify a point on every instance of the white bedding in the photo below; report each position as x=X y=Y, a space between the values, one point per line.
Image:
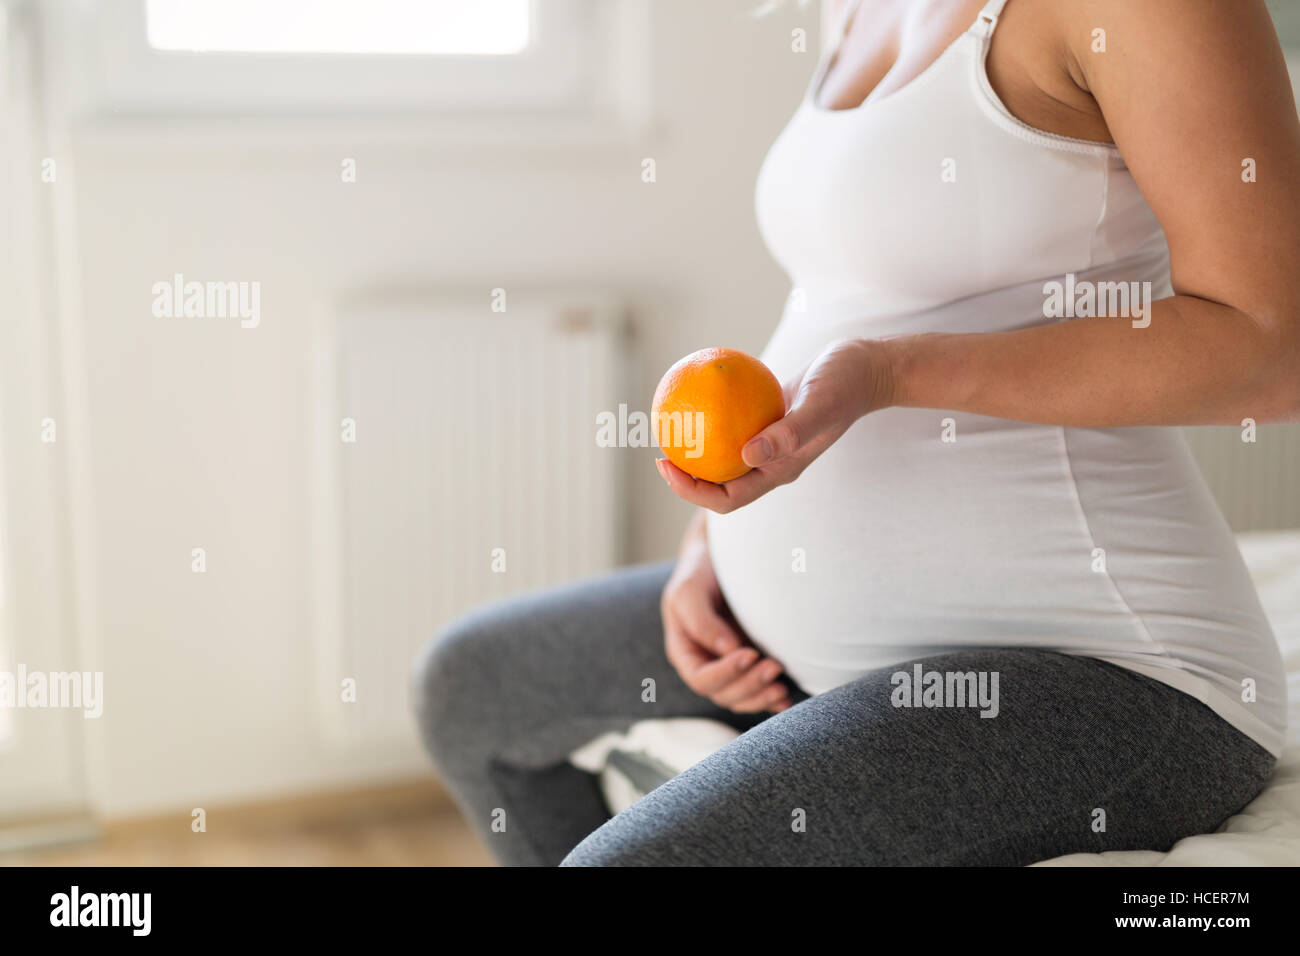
x=1267 y=832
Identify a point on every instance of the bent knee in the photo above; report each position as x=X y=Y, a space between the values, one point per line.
x=453 y=684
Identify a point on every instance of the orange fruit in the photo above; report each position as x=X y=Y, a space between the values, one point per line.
x=708 y=405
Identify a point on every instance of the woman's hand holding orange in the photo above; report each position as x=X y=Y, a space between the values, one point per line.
x=846 y=381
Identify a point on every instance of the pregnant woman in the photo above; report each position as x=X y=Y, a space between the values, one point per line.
x=1025 y=238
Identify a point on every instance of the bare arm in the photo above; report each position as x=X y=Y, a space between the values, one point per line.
x=1191 y=90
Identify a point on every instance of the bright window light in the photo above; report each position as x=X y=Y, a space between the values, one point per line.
x=482 y=27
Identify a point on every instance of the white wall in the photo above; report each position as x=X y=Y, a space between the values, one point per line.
x=197 y=435
x=199 y=432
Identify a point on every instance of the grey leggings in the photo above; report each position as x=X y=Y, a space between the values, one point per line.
x=1082 y=756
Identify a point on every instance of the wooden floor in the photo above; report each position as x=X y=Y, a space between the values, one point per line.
x=405 y=825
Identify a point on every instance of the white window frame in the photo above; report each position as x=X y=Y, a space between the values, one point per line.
x=571 y=66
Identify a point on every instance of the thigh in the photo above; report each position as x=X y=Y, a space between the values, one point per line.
x=1082 y=756
x=535 y=676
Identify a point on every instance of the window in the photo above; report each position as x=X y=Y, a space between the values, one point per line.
x=428 y=27
x=539 y=61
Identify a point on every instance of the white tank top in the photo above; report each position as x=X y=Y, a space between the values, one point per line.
x=934 y=209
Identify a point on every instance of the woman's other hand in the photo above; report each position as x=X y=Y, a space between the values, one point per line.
x=710 y=653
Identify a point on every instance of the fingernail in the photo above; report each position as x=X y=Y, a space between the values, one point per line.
x=747 y=658
x=659 y=465
x=724 y=644
x=771 y=669
x=756 y=452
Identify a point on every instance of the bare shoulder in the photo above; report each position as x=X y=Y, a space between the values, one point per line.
x=1197 y=96
x=1224 y=38
x=1074 y=65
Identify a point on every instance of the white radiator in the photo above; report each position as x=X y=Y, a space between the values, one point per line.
x=474 y=474
x=1256 y=483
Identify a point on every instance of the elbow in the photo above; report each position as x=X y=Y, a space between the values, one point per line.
x=1282 y=396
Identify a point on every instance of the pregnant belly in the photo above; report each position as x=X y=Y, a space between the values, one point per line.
x=924 y=531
